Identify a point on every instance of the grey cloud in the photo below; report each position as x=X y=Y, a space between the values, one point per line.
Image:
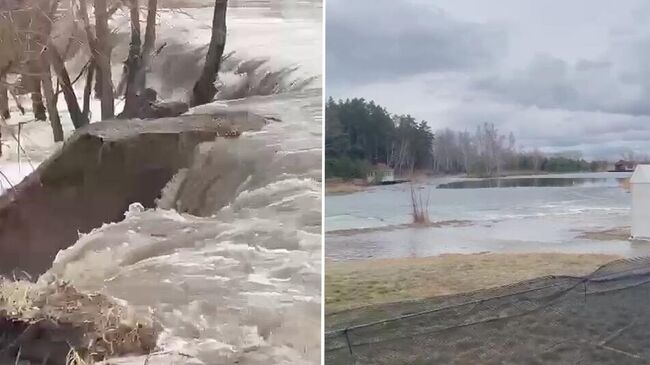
x=618 y=83
x=598 y=134
x=455 y=104
x=588 y=91
x=545 y=83
x=371 y=40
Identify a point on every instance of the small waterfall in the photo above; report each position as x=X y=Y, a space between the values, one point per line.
x=229 y=262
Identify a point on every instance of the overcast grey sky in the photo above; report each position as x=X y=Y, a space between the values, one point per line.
x=560 y=74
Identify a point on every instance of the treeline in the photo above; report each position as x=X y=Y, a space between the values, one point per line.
x=487 y=152
x=360 y=134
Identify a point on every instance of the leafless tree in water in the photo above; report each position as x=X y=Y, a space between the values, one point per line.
x=78 y=118
x=133 y=63
x=204 y=89
x=139 y=58
x=28 y=51
x=100 y=48
x=419 y=206
x=148 y=47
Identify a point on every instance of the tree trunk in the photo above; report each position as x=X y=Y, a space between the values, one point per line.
x=132 y=64
x=89 y=87
x=37 y=102
x=98 y=82
x=102 y=53
x=78 y=119
x=33 y=84
x=204 y=89
x=4 y=99
x=52 y=109
x=57 y=89
x=148 y=46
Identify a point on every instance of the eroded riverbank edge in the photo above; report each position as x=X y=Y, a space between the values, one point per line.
x=90 y=181
x=95 y=176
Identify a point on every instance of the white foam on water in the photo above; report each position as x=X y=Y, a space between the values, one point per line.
x=230 y=262
x=241 y=282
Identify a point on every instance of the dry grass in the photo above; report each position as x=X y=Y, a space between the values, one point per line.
x=109 y=328
x=354 y=284
x=420 y=207
x=340 y=187
x=115 y=329
x=74 y=358
x=17 y=297
x=611 y=234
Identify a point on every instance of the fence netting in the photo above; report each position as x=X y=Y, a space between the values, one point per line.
x=602 y=318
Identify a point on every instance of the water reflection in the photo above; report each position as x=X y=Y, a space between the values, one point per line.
x=532 y=182
x=551 y=213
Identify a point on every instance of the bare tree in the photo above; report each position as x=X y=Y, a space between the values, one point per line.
x=88 y=87
x=40 y=55
x=204 y=89
x=4 y=98
x=467 y=150
x=148 y=46
x=401 y=160
x=78 y=118
x=420 y=208
x=50 y=99
x=33 y=83
x=100 y=50
x=102 y=53
x=135 y=68
x=20 y=26
x=132 y=64
x=31 y=27
x=537 y=158
x=38 y=30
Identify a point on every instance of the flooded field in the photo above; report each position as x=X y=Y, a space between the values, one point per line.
x=550 y=213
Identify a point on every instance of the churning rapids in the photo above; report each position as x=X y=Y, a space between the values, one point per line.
x=239 y=280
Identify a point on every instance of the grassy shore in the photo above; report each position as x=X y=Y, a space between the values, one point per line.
x=354 y=284
x=611 y=234
x=340 y=186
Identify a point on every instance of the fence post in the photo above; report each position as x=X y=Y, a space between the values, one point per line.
x=347 y=339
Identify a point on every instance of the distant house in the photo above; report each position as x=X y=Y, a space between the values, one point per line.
x=381 y=174
x=624 y=166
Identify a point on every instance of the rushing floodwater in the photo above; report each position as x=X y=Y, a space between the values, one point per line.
x=241 y=283
x=528 y=214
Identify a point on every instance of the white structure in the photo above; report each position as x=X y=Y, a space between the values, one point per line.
x=381 y=174
x=640 y=185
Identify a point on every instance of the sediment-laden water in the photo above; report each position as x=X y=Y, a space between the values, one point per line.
x=238 y=280
x=241 y=282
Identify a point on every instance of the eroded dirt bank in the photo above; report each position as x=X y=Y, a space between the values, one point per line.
x=92 y=180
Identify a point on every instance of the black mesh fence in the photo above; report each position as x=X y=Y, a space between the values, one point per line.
x=603 y=318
